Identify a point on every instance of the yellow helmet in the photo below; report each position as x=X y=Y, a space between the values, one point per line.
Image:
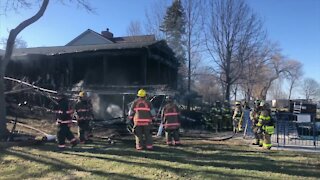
x=237 y=103
x=82 y=94
x=142 y=93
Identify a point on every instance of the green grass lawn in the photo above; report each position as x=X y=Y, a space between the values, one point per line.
x=197 y=159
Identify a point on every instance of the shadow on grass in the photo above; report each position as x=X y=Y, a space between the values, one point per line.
x=203 y=157
x=57 y=165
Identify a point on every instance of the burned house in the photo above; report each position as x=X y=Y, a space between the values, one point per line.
x=106 y=66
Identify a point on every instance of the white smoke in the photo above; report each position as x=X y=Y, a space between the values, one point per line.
x=78 y=86
x=114 y=110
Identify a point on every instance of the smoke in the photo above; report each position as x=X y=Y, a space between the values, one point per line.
x=114 y=110
x=104 y=106
x=96 y=101
x=78 y=86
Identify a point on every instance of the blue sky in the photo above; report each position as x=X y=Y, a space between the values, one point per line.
x=294 y=24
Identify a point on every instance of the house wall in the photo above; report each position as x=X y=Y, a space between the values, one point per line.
x=125 y=68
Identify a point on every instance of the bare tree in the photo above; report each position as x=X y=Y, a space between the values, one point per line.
x=193 y=31
x=274 y=67
x=232 y=33
x=276 y=89
x=16 y=5
x=134 y=28
x=294 y=75
x=311 y=88
x=207 y=84
x=253 y=77
x=154 y=18
x=19 y=43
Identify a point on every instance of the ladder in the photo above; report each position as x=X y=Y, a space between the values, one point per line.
x=297 y=108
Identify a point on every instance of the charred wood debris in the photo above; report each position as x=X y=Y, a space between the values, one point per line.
x=29 y=101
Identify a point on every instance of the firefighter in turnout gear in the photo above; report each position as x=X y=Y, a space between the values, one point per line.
x=83 y=114
x=64 y=122
x=265 y=125
x=207 y=118
x=226 y=115
x=217 y=115
x=254 y=117
x=170 y=118
x=142 y=114
x=237 y=118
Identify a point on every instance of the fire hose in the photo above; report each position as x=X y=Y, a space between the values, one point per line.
x=45 y=137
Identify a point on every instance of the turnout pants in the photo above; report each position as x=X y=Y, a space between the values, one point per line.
x=172 y=136
x=257 y=137
x=267 y=140
x=219 y=123
x=227 y=122
x=143 y=137
x=83 y=130
x=235 y=125
x=240 y=124
x=63 y=134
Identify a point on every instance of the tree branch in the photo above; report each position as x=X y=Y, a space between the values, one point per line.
x=14 y=33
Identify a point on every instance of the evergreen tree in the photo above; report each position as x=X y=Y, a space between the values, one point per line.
x=174 y=28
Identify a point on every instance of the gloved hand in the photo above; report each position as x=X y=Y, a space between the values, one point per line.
x=259 y=131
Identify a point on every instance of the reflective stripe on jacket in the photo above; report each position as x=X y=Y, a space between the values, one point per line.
x=170 y=116
x=84 y=110
x=237 y=113
x=266 y=122
x=263 y=120
x=141 y=112
x=268 y=129
x=63 y=112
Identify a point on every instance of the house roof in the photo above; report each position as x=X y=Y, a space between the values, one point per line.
x=129 y=39
x=89 y=37
x=57 y=50
x=89 y=41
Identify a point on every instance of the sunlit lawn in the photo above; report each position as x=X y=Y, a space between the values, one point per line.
x=197 y=159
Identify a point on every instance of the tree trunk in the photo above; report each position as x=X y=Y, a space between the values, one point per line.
x=227 y=95
x=189 y=72
x=7 y=56
x=3 y=120
x=290 y=90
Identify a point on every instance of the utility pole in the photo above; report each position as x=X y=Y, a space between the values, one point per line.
x=189 y=57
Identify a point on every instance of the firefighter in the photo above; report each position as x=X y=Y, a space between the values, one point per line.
x=265 y=125
x=254 y=116
x=170 y=119
x=207 y=118
x=83 y=114
x=226 y=115
x=142 y=114
x=217 y=115
x=64 y=122
x=237 y=118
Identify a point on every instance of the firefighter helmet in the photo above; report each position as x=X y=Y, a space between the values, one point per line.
x=237 y=103
x=142 y=93
x=82 y=94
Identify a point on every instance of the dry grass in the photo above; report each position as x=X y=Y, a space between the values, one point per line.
x=199 y=158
